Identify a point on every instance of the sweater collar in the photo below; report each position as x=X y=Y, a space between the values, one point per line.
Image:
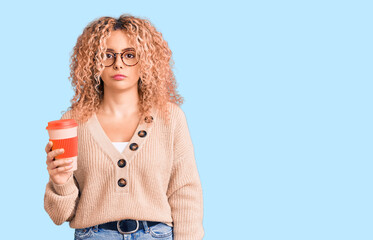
x=134 y=145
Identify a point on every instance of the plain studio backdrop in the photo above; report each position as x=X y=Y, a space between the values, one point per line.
x=278 y=99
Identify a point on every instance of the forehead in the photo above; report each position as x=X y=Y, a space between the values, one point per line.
x=118 y=41
x=117 y=50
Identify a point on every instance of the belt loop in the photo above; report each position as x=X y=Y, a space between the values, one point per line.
x=146 y=228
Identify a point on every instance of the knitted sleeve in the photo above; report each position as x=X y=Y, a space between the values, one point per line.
x=60 y=201
x=184 y=191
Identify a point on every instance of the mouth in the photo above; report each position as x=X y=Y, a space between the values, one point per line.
x=119 y=77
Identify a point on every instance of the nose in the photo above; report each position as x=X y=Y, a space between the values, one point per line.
x=118 y=63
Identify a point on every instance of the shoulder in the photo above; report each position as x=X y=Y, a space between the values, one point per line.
x=177 y=114
x=175 y=110
x=178 y=117
x=66 y=115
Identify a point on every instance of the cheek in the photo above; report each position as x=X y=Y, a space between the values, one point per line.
x=135 y=71
x=105 y=73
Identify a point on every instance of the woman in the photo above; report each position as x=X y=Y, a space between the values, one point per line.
x=137 y=176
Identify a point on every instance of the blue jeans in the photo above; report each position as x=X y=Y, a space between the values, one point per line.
x=161 y=231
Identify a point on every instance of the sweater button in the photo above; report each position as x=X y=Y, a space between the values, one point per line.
x=142 y=133
x=134 y=146
x=122 y=182
x=149 y=119
x=122 y=163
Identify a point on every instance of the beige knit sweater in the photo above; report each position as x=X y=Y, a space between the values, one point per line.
x=162 y=180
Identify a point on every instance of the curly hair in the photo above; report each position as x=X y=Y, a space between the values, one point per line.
x=156 y=85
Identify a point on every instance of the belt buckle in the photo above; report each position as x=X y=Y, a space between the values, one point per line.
x=120 y=230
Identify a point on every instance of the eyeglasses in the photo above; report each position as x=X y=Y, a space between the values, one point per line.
x=128 y=57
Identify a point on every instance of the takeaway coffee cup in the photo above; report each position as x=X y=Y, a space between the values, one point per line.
x=64 y=134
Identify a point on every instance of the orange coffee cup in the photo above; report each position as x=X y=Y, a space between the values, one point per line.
x=64 y=134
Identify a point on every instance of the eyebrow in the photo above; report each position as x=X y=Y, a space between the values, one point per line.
x=109 y=49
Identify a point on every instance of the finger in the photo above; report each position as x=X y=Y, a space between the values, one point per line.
x=60 y=169
x=59 y=163
x=51 y=160
x=52 y=154
x=48 y=148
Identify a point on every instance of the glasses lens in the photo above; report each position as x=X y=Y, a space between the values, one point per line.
x=109 y=59
x=130 y=58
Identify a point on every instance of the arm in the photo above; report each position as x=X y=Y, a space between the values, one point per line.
x=60 y=201
x=184 y=191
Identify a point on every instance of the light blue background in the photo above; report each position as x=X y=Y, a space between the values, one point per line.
x=278 y=99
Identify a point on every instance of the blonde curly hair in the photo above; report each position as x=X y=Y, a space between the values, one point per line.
x=156 y=85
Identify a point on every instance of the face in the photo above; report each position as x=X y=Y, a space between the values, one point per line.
x=117 y=42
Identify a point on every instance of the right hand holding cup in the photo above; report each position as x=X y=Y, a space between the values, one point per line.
x=59 y=169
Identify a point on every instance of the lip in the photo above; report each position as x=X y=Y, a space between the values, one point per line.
x=119 y=77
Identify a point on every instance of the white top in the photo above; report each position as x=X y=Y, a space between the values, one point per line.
x=120 y=145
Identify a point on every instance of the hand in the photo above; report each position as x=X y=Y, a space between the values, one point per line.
x=59 y=170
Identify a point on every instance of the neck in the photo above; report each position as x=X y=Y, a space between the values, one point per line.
x=120 y=104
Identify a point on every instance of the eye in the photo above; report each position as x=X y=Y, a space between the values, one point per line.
x=108 y=55
x=130 y=55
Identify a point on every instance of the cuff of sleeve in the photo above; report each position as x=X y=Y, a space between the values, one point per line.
x=67 y=188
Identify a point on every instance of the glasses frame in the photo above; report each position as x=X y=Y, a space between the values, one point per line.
x=121 y=57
